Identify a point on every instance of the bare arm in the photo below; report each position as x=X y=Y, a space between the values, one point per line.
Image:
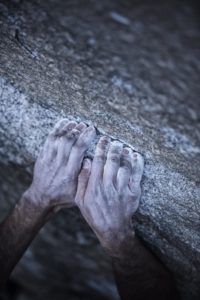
x=54 y=186
x=108 y=195
x=17 y=232
x=140 y=275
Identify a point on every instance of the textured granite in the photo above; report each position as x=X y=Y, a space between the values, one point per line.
x=132 y=68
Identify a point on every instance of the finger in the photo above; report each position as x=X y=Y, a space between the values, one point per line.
x=137 y=171
x=125 y=170
x=112 y=162
x=83 y=179
x=79 y=148
x=68 y=135
x=85 y=139
x=99 y=159
x=49 y=149
x=52 y=146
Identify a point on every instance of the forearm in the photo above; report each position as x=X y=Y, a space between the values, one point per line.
x=140 y=275
x=17 y=231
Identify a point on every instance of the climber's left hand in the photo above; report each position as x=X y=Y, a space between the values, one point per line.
x=59 y=163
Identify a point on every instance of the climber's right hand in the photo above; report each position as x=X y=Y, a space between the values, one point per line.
x=109 y=191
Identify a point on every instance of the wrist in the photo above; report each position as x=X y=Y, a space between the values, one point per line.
x=129 y=250
x=36 y=203
x=120 y=245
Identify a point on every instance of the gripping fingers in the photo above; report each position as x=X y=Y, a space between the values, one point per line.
x=61 y=139
x=50 y=148
x=67 y=137
x=60 y=125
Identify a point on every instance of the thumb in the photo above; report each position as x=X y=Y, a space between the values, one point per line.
x=83 y=179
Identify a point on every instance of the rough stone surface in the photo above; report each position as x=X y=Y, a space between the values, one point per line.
x=132 y=68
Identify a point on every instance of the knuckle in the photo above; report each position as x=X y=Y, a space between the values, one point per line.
x=114 y=159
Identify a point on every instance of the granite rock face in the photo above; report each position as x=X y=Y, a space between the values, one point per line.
x=132 y=68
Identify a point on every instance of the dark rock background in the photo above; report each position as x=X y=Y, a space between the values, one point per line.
x=132 y=68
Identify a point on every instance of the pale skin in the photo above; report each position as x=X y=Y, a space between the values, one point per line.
x=107 y=192
x=108 y=195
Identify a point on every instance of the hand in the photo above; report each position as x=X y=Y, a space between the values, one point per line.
x=59 y=163
x=108 y=192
